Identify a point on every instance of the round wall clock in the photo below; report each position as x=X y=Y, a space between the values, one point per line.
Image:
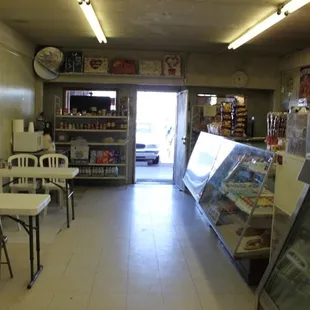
x=240 y=79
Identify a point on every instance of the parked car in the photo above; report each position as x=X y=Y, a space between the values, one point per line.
x=147 y=147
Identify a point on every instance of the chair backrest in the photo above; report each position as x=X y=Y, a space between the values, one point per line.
x=54 y=161
x=23 y=160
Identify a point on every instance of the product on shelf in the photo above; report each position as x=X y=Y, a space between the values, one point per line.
x=107 y=157
x=259 y=242
x=108 y=140
x=239 y=117
x=233 y=117
x=109 y=125
x=99 y=171
x=226 y=119
x=79 y=151
x=276 y=130
x=263 y=201
x=250 y=231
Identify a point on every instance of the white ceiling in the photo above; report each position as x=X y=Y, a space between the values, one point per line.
x=179 y=25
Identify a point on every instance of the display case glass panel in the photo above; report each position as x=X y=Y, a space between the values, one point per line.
x=238 y=199
x=201 y=163
x=288 y=284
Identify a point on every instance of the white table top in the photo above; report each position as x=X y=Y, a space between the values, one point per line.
x=23 y=204
x=39 y=173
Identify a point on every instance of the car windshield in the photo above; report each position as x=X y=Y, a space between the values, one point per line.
x=144 y=128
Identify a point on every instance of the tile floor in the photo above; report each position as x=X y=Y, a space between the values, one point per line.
x=138 y=248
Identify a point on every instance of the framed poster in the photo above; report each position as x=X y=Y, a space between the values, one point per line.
x=172 y=65
x=304 y=85
x=150 y=67
x=95 y=65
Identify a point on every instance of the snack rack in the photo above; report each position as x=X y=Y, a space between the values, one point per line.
x=97 y=142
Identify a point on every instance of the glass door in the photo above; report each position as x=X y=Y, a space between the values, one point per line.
x=288 y=284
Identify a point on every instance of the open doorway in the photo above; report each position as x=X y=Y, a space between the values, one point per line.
x=155 y=134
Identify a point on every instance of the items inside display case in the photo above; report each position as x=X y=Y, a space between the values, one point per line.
x=238 y=197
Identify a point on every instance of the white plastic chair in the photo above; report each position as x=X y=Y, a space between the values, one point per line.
x=23 y=184
x=54 y=161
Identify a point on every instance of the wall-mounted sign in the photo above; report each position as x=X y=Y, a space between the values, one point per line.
x=95 y=65
x=172 y=65
x=304 y=86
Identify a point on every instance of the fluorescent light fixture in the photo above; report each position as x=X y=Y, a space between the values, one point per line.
x=92 y=20
x=294 y=5
x=268 y=22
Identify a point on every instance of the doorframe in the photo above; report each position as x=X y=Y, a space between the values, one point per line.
x=147 y=88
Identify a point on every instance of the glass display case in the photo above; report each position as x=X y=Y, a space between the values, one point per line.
x=201 y=163
x=238 y=199
x=286 y=283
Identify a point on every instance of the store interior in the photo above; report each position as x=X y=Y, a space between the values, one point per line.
x=152 y=157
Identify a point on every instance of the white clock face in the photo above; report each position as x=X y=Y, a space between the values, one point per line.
x=240 y=79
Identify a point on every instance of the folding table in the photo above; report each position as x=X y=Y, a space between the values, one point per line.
x=30 y=205
x=49 y=174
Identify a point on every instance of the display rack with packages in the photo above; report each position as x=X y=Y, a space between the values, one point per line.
x=97 y=140
x=236 y=199
x=276 y=130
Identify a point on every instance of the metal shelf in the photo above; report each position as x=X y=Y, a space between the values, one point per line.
x=92 y=130
x=101 y=178
x=94 y=144
x=91 y=116
x=98 y=165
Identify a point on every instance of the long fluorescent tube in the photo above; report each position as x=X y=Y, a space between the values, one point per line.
x=294 y=5
x=92 y=20
x=276 y=17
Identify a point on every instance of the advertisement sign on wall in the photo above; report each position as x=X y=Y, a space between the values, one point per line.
x=304 y=88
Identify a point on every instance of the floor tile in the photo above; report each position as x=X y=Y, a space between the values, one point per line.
x=107 y=301
x=69 y=301
x=182 y=301
x=127 y=256
x=117 y=285
x=144 y=285
x=153 y=301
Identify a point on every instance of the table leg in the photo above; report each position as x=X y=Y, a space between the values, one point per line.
x=34 y=275
x=1 y=189
x=31 y=256
x=72 y=199
x=67 y=203
x=38 y=248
